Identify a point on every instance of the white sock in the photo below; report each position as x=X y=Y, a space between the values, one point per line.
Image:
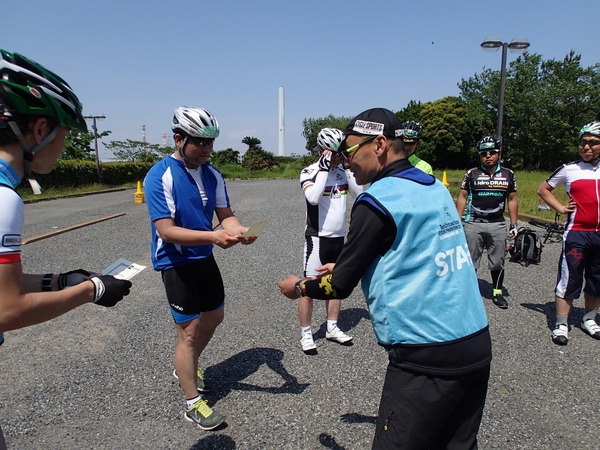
x=331 y=324
x=189 y=403
x=306 y=330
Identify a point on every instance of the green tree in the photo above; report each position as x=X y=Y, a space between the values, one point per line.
x=251 y=142
x=80 y=145
x=227 y=156
x=313 y=126
x=412 y=111
x=136 y=151
x=445 y=129
x=257 y=158
x=546 y=103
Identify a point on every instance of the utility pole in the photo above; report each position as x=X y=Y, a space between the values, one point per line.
x=101 y=116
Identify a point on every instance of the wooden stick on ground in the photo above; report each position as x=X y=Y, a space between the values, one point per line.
x=71 y=228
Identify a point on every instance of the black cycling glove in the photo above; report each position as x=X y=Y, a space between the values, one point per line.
x=108 y=290
x=72 y=278
x=513 y=230
x=325 y=162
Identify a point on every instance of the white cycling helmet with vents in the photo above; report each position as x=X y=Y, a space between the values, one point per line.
x=195 y=122
x=330 y=139
x=592 y=128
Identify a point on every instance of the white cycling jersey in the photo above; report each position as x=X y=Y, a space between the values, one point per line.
x=326 y=194
x=12 y=217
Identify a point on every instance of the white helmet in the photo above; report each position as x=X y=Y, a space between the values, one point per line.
x=591 y=128
x=330 y=139
x=195 y=122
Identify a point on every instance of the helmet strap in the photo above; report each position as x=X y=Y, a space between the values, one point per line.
x=29 y=153
x=182 y=148
x=182 y=151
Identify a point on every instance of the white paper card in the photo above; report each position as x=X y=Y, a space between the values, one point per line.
x=256 y=228
x=123 y=269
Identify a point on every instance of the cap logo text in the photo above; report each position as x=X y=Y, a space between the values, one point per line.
x=365 y=127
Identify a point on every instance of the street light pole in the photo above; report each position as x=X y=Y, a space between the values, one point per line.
x=493 y=44
x=101 y=116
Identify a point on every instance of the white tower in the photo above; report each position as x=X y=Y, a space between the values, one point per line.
x=281 y=123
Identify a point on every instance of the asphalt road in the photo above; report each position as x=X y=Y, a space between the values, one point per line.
x=101 y=378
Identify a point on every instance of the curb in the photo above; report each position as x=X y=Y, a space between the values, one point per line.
x=81 y=194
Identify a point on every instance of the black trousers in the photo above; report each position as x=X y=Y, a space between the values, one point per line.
x=425 y=412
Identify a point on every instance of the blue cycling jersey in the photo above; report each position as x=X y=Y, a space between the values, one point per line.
x=172 y=191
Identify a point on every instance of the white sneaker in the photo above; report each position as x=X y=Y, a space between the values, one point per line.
x=338 y=335
x=591 y=327
x=560 y=334
x=308 y=345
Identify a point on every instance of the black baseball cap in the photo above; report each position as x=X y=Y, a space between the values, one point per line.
x=374 y=122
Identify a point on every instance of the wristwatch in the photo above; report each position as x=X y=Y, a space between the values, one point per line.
x=298 y=290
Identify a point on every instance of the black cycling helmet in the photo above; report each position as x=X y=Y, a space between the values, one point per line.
x=411 y=131
x=488 y=143
x=29 y=89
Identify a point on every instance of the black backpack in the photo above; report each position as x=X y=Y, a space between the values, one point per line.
x=526 y=248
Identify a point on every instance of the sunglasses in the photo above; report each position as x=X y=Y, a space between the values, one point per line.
x=345 y=152
x=488 y=152
x=202 y=142
x=591 y=143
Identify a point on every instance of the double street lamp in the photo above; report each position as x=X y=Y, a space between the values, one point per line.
x=492 y=44
x=101 y=116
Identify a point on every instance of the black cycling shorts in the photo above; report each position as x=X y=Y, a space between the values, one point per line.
x=319 y=251
x=193 y=289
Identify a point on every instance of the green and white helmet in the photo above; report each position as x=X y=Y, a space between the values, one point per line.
x=488 y=143
x=330 y=139
x=411 y=131
x=592 y=128
x=29 y=89
x=195 y=122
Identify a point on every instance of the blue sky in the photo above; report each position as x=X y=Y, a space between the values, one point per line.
x=136 y=61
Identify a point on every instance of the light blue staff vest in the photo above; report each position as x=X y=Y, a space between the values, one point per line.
x=424 y=289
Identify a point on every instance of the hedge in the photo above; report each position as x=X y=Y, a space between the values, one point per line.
x=69 y=173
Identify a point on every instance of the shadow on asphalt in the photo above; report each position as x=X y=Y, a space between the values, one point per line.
x=348 y=319
x=215 y=441
x=548 y=309
x=328 y=441
x=232 y=371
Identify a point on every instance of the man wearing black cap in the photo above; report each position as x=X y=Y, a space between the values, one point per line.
x=406 y=246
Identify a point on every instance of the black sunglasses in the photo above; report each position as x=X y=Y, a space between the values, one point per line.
x=591 y=143
x=202 y=142
x=488 y=152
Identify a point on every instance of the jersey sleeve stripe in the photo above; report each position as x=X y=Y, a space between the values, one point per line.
x=10 y=258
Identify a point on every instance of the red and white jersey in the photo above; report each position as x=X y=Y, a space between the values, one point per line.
x=11 y=225
x=582 y=184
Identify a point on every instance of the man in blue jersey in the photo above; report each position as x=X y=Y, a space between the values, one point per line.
x=183 y=193
x=406 y=246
